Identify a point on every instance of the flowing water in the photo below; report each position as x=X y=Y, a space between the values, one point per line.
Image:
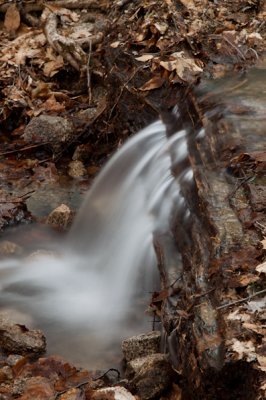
x=91 y=291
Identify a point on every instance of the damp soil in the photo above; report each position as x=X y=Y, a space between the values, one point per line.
x=107 y=69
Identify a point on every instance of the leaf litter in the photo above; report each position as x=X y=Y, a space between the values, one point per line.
x=62 y=58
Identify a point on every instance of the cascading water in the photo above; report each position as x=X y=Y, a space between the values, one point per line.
x=87 y=287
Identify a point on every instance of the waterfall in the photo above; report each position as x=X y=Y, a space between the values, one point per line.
x=91 y=282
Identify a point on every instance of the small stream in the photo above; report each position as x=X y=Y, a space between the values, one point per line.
x=92 y=288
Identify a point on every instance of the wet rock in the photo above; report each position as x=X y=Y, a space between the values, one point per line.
x=76 y=169
x=37 y=388
x=42 y=253
x=8 y=248
x=6 y=374
x=141 y=345
x=13 y=359
x=112 y=393
x=150 y=376
x=60 y=218
x=16 y=362
x=55 y=131
x=13 y=210
x=12 y=316
x=20 y=340
x=73 y=394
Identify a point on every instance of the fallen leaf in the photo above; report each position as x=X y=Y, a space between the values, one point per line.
x=188 y=4
x=247 y=280
x=263 y=242
x=145 y=57
x=257 y=306
x=12 y=19
x=161 y=27
x=184 y=66
x=116 y=44
x=261 y=267
x=262 y=362
x=260 y=330
x=154 y=83
x=236 y=316
x=52 y=67
x=245 y=350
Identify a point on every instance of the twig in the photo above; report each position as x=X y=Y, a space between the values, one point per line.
x=122 y=90
x=32 y=146
x=238 y=186
x=197 y=295
x=107 y=372
x=89 y=74
x=241 y=300
x=34 y=5
x=23 y=197
x=79 y=385
x=220 y=37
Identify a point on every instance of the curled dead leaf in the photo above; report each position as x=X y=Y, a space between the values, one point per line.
x=261 y=268
x=185 y=67
x=154 y=83
x=262 y=362
x=263 y=242
x=244 y=350
x=259 y=329
x=116 y=44
x=188 y=3
x=145 y=57
x=161 y=27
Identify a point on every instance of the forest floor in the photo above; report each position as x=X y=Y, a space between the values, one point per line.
x=77 y=78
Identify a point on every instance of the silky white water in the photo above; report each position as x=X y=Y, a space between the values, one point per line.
x=86 y=293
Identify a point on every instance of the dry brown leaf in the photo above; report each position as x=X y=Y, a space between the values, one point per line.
x=188 y=3
x=12 y=19
x=30 y=47
x=262 y=362
x=116 y=44
x=52 y=105
x=161 y=27
x=263 y=242
x=261 y=330
x=145 y=57
x=52 y=67
x=184 y=66
x=247 y=279
x=42 y=90
x=257 y=305
x=244 y=350
x=261 y=268
x=24 y=53
x=139 y=37
x=154 y=83
x=236 y=316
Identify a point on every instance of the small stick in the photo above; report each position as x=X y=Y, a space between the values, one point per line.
x=79 y=385
x=23 y=148
x=241 y=300
x=89 y=74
